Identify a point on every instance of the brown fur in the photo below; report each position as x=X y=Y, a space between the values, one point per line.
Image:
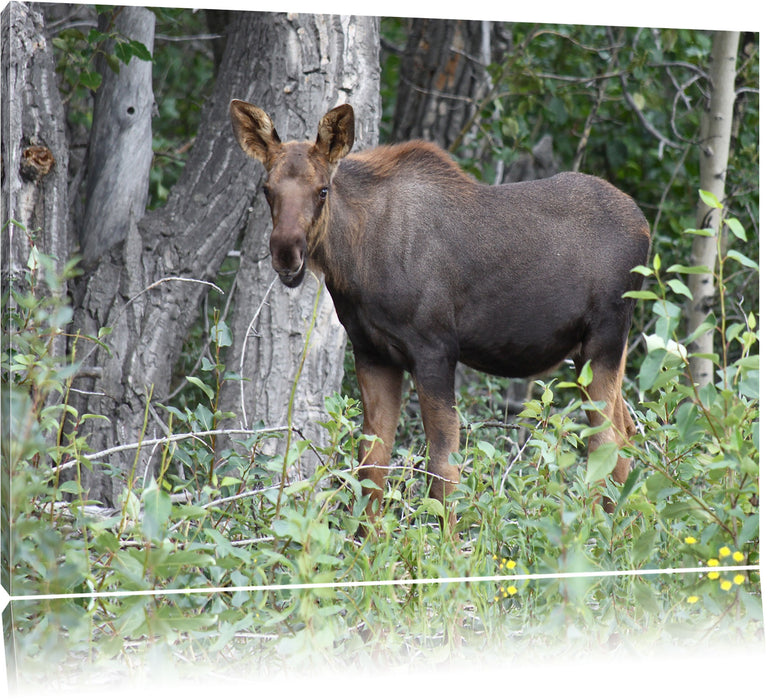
x=428 y=268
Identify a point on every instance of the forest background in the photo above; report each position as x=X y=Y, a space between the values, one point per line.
x=261 y=489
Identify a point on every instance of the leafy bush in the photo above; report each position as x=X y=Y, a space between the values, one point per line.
x=280 y=571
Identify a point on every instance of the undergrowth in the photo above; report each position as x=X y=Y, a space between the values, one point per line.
x=276 y=568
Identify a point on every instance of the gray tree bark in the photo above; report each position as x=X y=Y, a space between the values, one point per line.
x=716 y=129
x=442 y=77
x=33 y=206
x=120 y=149
x=149 y=287
x=313 y=63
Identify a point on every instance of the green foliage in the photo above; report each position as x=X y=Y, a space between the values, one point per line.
x=77 y=51
x=184 y=72
x=281 y=568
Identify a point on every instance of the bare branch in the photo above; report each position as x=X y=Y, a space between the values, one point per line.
x=177 y=437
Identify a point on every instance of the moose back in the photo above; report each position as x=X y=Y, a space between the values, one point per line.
x=428 y=268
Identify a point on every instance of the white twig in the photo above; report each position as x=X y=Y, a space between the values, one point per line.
x=169 y=438
x=242 y=353
x=143 y=291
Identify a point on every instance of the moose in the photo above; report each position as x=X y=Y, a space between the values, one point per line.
x=427 y=267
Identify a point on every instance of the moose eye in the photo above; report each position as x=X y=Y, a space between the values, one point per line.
x=322 y=194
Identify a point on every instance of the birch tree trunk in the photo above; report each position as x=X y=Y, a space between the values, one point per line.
x=120 y=149
x=716 y=128
x=311 y=63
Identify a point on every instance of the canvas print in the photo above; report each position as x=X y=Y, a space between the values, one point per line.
x=354 y=344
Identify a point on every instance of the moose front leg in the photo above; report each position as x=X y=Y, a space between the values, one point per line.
x=436 y=394
x=380 y=387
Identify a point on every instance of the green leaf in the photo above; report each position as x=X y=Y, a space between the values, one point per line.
x=90 y=80
x=743 y=259
x=705 y=327
x=645 y=597
x=123 y=51
x=157 y=507
x=642 y=270
x=95 y=36
x=140 y=50
x=431 y=505
x=710 y=199
x=736 y=228
x=630 y=484
x=680 y=288
x=113 y=64
x=585 y=375
x=689 y=270
x=221 y=335
x=70 y=487
x=650 y=369
x=680 y=509
x=601 y=462
x=487 y=449
x=688 y=424
x=198 y=382
x=644 y=545
x=641 y=294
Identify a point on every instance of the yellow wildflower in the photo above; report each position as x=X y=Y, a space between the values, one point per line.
x=690 y=540
x=511 y=564
x=693 y=599
x=511 y=590
x=738 y=579
x=713 y=575
x=737 y=556
x=712 y=562
x=725 y=585
x=724 y=551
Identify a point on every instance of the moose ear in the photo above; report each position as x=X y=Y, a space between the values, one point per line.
x=336 y=132
x=253 y=130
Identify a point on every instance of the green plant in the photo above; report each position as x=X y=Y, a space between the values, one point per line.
x=277 y=573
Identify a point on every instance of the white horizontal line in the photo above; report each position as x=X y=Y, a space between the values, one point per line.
x=392 y=582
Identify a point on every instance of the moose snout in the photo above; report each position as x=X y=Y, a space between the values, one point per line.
x=288 y=260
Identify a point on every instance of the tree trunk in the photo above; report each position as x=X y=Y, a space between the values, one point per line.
x=148 y=288
x=313 y=63
x=442 y=77
x=33 y=207
x=716 y=127
x=120 y=150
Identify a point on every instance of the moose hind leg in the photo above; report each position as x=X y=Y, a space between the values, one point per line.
x=606 y=386
x=380 y=387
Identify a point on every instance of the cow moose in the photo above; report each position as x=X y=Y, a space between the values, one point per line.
x=428 y=267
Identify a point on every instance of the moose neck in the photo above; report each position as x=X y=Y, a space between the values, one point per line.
x=375 y=197
x=335 y=243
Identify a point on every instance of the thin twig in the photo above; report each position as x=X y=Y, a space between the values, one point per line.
x=245 y=343
x=143 y=291
x=169 y=438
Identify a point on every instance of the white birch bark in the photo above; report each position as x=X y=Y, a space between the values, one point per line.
x=716 y=127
